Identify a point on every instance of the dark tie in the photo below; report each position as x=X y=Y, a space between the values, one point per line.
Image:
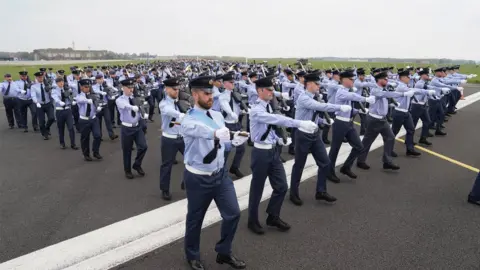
x=172 y=122
x=212 y=154
x=42 y=91
x=25 y=86
x=264 y=136
x=8 y=89
x=101 y=90
x=78 y=87
x=130 y=100
x=89 y=109
x=231 y=102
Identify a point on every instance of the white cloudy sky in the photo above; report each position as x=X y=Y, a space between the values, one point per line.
x=261 y=28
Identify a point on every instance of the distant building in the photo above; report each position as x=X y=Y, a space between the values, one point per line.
x=68 y=54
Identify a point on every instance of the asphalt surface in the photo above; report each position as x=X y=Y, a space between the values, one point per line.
x=416 y=218
x=48 y=195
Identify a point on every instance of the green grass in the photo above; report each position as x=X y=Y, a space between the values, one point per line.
x=14 y=69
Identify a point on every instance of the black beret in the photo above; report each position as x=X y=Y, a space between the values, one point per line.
x=7 y=75
x=76 y=72
x=38 y=74
x=112 y=72
x=264 y=82
x=228 y=77
x=50 y=68
x=202 y=82
x=88 y=70
x=104 y=67
x=61 y=71
x=347 y=74
x=381 y=75
x=360 y=72
x=423 y=72
x=75 y=66
x=335 y=72
x=253 y=74
x=172 y=82
x=59 y=79
x=312 y=77
x=301 y=73
x=288 y=72
x=85 y=82
x=90 y=66
x=404 y=73
x=400 y=69
x=377 y=70
x=328 y=71
x=127 y=82
x=457 y=67
x=99 y=76
x=23 y=72
x=439 y=69
x=42 y=69
x=218 y=77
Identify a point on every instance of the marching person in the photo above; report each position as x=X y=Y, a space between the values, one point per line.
x=311 y=142
x=10 y=101
x=266 y=157
x=419 y=109
x=63 y=112
x=172 y=140
x=25 y=102
x=133 y=129
x=100 y=88
x=206 y=139
x=88 y=121
x=40 y=94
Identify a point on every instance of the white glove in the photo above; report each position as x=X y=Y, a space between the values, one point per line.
x=23 y=92
x=409 y=93
x=392 y=105
x=459 y=88
x=145 y=116
x=431 y=92
x=445 y=90
x=61 y=103
x=470 y=76
x=355 y=89
x=308 y=126
x=103 y=93
x=370 y=99
x=463 y=81
x=89 y=101
x=238 y=140
x=285 y=96
x=223 y=134
x=38 y=105
x=245 y=111
x=287 y=108
x=394 y=84
x=281 y=142
x=328 y=124
x=135 y=108
x=99 y=108
x=74 y=103
x=180 y=118
x=234 y=116
x=345 y=108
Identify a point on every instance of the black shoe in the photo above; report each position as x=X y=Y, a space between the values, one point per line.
x=454 y=112
x=74 y=147
x=291 y=152
x=296 y=200
x=333 y=177
x=97 y=156
x=182 y=186
x=166 y=195
x=35 y=129
x=129 y=175
x=394 y=154
x=278 y=223
x=282 y=159
x=440 y=133
x=113 y=137
x=63 y=147
x=473 y=201
x=390 y=166
x=151 y=120
x=424 y=141
x=139 y=170
x=256 y=228
x=348 y=172
x=249 y=142
x=432 y=127
x=413 y=153
x=236 y=172
x=175 y=162
x=430 y=135
x=196 y=265
x=327 y=141
x=363 y=166
x=87 y=158
x=231 y=260
x=325 y=197
x=25 y=130
x=46 y=138
x=11 y=127
x=345 y=140
x=101 y=139
x=442 y=126
x=113 y=126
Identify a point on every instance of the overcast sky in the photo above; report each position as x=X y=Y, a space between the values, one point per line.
x=261 y=28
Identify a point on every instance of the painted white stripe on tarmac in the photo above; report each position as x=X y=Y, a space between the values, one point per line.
x=128 y=239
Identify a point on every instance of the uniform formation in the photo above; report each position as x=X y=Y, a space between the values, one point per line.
x=209 y=109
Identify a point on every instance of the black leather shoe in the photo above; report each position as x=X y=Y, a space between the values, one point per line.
x=129 y=175
x=440 y=133
x=139 y=170
x=113 y=137
x=413 y=153
x=166 y=195
x=325 y=197
x=291 y=152
x=231 y=260
x=46 y=138
x=256 y=228
x=473 y=201
x=348 y=172
x=430 y=135
x=87 y=158
x=175 y=162
x=424 y=141
x=74 y=147
x=97 y=156
x=25 y=130
x=278 y=223
x=63 y=147
x=363 y=166
x=454 y=112
x=236 y=172
x=394 y=154
x=327 y=141
x=182 y=186
x=390 y=166
x=196 y=265
x=333 y=177
x=296 y=200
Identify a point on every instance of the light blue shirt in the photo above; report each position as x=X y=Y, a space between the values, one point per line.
x=57 y=97
x=13 y=92
x=36 y=93
x=343 y=96
x=21 y=86
x=306 y=106
x=224 y=100
x=83 y=104
x=125 y=109
x=168 y=112
x=380 y=107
